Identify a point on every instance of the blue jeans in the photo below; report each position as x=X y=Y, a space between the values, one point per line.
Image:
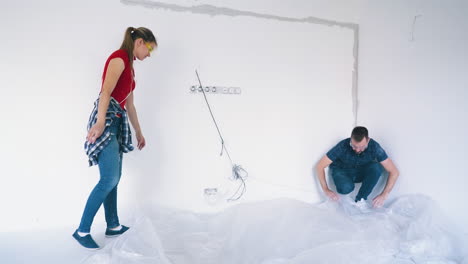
x=345 y=178
x=105 y=192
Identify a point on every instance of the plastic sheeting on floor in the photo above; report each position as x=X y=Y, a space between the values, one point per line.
x=409 y=230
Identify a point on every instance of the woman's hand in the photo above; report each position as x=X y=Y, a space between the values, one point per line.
x=95 y=132
x=141 y=140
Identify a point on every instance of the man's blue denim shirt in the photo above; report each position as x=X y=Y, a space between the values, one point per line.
x=344 y=157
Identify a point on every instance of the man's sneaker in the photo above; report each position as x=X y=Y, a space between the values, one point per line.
x=363 y=206
x=114 y=233
x=86 y=241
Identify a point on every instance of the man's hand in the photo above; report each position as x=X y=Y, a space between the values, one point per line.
x=141 y=141
x=379 y=200
x=323 y=163
x=332 y=195
x=393 y=174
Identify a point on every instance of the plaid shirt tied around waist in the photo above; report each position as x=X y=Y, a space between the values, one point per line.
x=125 y=135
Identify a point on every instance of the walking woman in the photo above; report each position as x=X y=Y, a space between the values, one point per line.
x=109 y=134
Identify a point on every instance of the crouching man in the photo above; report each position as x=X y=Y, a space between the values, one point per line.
x=357 y=159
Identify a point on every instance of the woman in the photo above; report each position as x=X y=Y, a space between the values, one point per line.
x=109 y=133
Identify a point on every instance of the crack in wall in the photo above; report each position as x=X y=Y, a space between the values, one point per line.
x=224 y=11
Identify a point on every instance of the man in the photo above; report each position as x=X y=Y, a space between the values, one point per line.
x=357 y=159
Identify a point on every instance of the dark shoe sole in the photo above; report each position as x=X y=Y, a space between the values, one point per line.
x=111 y=236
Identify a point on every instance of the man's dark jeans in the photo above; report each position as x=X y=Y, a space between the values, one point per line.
x=345 y=178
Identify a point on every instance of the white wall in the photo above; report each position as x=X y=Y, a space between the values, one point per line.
x=52 y=57
x=413 y=94
x=289 y=73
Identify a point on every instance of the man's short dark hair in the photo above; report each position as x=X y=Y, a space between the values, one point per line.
x=359 y=133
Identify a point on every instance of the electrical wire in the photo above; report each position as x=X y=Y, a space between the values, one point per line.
x=238 y=173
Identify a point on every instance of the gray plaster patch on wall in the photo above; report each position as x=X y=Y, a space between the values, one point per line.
x=224 y=11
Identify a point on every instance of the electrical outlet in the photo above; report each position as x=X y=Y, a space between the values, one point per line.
x=214 y=89
x=210 y=191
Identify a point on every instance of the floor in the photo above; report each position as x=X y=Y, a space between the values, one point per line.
x=409 y=230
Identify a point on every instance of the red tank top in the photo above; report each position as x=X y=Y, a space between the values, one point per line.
x=126 y=83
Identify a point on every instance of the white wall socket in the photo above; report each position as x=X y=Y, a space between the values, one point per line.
x=215 y=89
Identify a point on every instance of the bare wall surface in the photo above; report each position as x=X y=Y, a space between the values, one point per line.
x=288 y=78
x=412 y=92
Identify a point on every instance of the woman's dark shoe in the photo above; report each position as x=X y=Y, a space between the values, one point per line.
x=86 y=241
x=114 y=233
